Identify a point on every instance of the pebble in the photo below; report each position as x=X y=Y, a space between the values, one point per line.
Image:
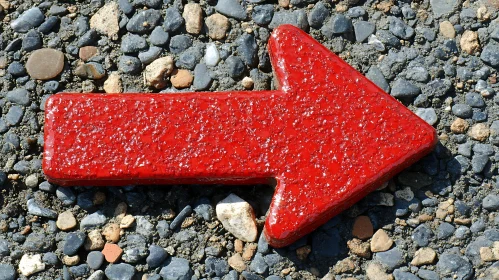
x=143 y=21
x=150 y=55
x=297 y=18
x=176 y=268
x=491 y=202
x=424 y=256
x=445 y=230
x=29 y=19
x=219 y=267
x=95 y=259
x=391 y=259
x=218 y=26
x=202 y=81
x=490 y=54
x=193 y=16
x=16 y=69
x=127 y=221
x=428 y=115
x=356 y=246
x=380 y=241
x=129 y=64
x=237 y=262
x=94 y=241
x=363 y=29
x=120 y=271
x=159 y=37
x=32 y=41
x=7 y=272
x=180 y=43
x=19 y=96
x=71 y=260
x=452 y=265
x=173 y=20
x=231 y=8
x=113 y=83
x=65 y=195
x=442 y=8
x=93 y=220
x=50 y=259
x=156 y=257
x=479 y=132
x=262 y=14
x=181 y=78
x=211 y=57
x=237 y=217
x=340 y=24
x=35 y=209
x=374 y=271
x=422 y=235
x=400 y=29
x=73 y=242
x=30 y=265
x=404 y=90
x=132 y=43
x=235 y=66
x=469 y=42
x=247 y=83
x=45 y=64
x=112 y=252
x=247 y=49
x=111 y=232
x=316 y=17
x=462 y=110
x=97 y=275
x=362 y=228
x=106 y=20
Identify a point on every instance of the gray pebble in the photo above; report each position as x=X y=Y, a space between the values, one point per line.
x=452 y=265
x=375 y=75
x=422 y=235
x=95 y=259
x=391 y=259
x=445 y=230
x=176 y=268
x=156 y=256
x=401 y=275
x=29 y=19
x=129 y=64
x=19 y=96
x=93 y=220
x=35 y=209
x=235 y=66
x=16 y=69
x=4 y=248
x=7 y=272
x=38 y=242
x=137 y=23
x=363 y=29
x=150 y=55
x=66 y=195
x=79 y=270
x=462 y=232
x=318 y=15
x=438 y=87
x=88 y=38
x=462 y=110
x=180 y=43
x=231 y=8
x=474 y=100
x=50 y=259
x=159 y=37
x=491 y=202
x=181 y=217
x=400 y=29
x=173 y=20
x=258 y=264
x=427 y=114
x=490 y=54
x=216 y=267
x=340 y=24
x=404 y=90
x=73 y=242
x=120 y=271
x=189 y=58
x=247 y=49
x=32 y=41
x=163 y=229
x=132 y=43
x=262 y=14
x=479 y=162
x=297 y=18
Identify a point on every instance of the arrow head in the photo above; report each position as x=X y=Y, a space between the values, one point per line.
x=347 y=138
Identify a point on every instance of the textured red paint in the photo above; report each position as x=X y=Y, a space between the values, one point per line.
x=328 y=136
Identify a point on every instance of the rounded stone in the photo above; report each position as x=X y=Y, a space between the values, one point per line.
x=44 y=64
x=362 y=228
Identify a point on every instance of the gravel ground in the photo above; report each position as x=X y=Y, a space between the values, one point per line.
x=436 y=220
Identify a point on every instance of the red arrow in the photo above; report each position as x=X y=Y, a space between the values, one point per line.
x=328 y=136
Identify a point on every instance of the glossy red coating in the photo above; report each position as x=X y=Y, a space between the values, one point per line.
x=328 y=136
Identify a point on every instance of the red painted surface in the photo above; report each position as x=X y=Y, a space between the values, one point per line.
x=328 y=136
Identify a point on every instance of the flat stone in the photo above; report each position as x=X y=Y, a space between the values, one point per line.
x=181 y=78
x=27 y=20
x=362 y=228
x=237 y=217
x=427 y=114
x=176 y=269
x=66 y=221
x=45 y=64
x=120 y=271
x=106 y=20
x=443 y=7
x=231 y=8
x=95 y=259
x=424 y=256
x=91 y=70
x=144 y=21
x=30 y=265
x=391 y=259
x=35 y=209
x=73 y=242
x=7 y=272
x=380 y=241
x=156 y=256
x=490 y=54
x=112 y=252
x=156 y=73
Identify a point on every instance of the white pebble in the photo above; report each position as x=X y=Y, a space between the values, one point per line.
x=212 y=57
x=31 y=264
x=237 y=217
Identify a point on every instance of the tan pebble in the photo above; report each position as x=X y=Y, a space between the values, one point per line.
x=340 y=8
x=462 y=221
x=87 y=52
x=284 y=3
x=249 y=251
x=384 y=6
x=425 y=217
x=168 y=214
x=381 y=241
x=469 y=42
x=181 y=78
x=66 y=221
x=482 y=14
x=156 y=73
x=71 y=260
x=479 y=132
x=94 y=241
x=127 y=221
x=459 y=126
x=303 y=252
x=105 y=20
x=362 y=228
x=113 y=83
x=359 y=248
x=3 y=62
x=247 y=83
x=218 y=26
x=112 y=233
x=424 y=256
x=112 y=252
x=99 y=198
x=188 y=222
x=237 y=262
x=374 y=271
x=90 y=71
x=238 y=246
x=344 y=266
x=495 y=249
x=5 y=4
x=44 y=64
x=193 y=16
x=486 y=254
x=447 y=29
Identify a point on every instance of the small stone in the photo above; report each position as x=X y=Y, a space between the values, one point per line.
x=176 y=268
x=391 y=259
x=303 y=252
x=217 y=25
x=73 y=242
x=469 y=42
x=66 y=221
x=144 y=21
x=452 y=265
x=99 y=274
x=362 y=228
x=447 y=30
x=459 y=126
x=94 y=241
x=212 y=56
x=45 y=64
x=32 y=41
x=262 y=14
x=35 y=209
x=87 y=52
x=202 y=77
x=400 y=29
x=91 y=70
x=181 y=78
x=381 y=241
x=132 y=43
x=150 y=55
x=428 y=115
x=491 y=202
x=156 y=73
x=374 y=271
x=156 y=256
x=404 y=90
x=237 y=262
x=238 y=218
x=479 y=132
x=490 y=54
x=231 y=8
x=106 y=20
x=180 y=43
x=220 y=267
x=424 y=256
x=173 y=20
x=30 y=265
x=19 y=96
x=129 y=64
x=95 y=259
x=120 y=271
x=31 y=181
x=71 y=260
x=93 y=220
x=486 y=254
x=112 y=252
x=113 y=83
x=344 y=266
x=27 y=20
x=359 y=248
x=127 y=221
x=193 y=16
x=7 y=272
x=111 y=233
x=247 y=83
x=363 y=29
x=341 y=24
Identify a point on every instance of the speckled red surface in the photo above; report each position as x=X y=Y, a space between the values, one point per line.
x=328 y=136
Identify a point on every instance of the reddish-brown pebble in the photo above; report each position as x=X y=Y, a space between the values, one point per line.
x=362 y=228
x=112 y=252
